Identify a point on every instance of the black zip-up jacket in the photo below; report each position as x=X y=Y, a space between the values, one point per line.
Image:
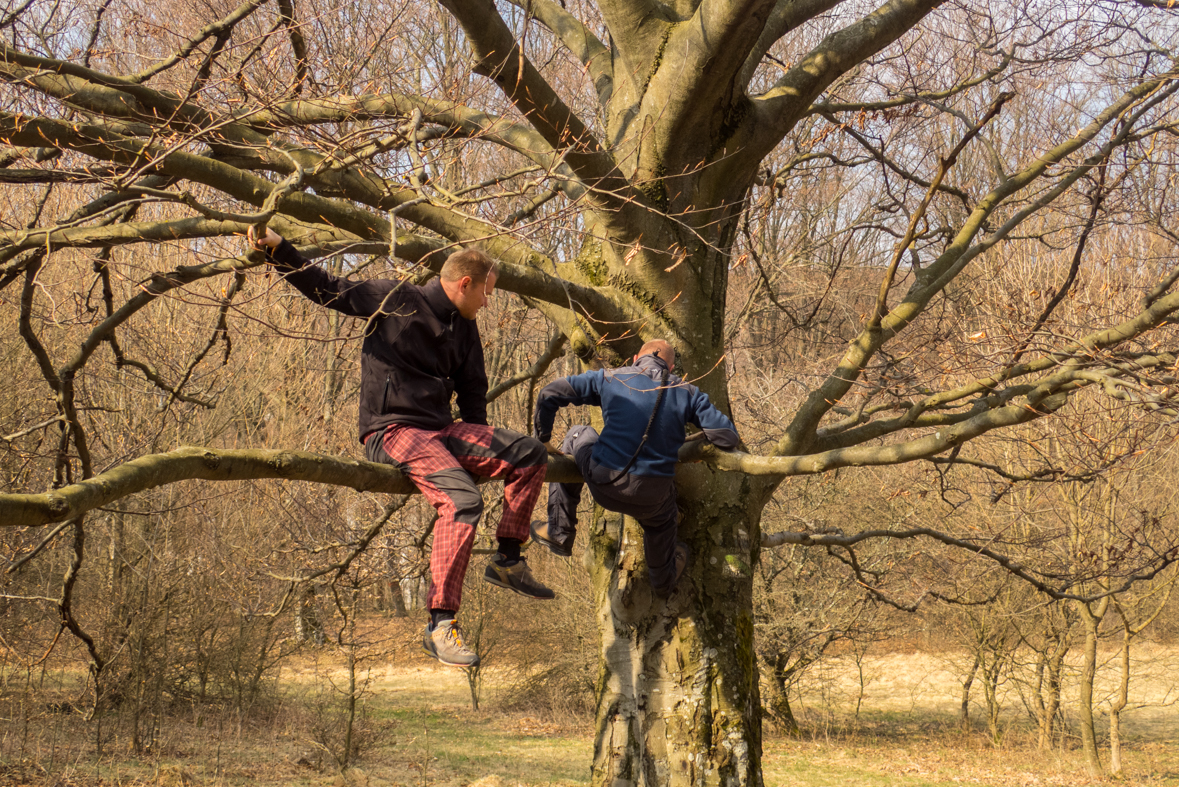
x=417 y=351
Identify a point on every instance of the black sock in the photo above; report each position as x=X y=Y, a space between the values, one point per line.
x=439 y=615
x=510 y=549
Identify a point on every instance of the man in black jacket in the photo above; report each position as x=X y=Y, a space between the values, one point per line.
x=421 y=345
x=630 y=467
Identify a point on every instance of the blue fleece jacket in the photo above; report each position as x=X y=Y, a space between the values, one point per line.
x=627 y=397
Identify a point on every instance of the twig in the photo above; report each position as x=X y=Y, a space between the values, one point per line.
x=17 y=435
x=943 y=168
x=556 y=345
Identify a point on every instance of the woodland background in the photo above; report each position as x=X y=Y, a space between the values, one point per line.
x=208 y=602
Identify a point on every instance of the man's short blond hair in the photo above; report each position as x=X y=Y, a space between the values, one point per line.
x=469 y=262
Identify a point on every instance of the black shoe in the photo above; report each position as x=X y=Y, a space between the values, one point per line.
x=681 y=556
x=516 y=577
x=562 y=547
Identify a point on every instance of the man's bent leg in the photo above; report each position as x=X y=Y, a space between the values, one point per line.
x=659 y=542
x=491 y=452
x=521 y=461
x=561 y=528
x=650 y=500
x=423 y=456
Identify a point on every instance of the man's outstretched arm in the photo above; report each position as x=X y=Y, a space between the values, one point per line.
x=717 y=427
x=356 y=299
x=576 y=390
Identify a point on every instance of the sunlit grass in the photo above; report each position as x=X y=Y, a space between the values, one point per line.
x=420 y=730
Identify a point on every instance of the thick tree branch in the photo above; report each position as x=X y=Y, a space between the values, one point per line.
x=119 y=97
x=459 y=119
x=637 y=29
x=498 y=57
x=701 y=59
x=190 y=463
x=578 y=39
x=1037 y=405
x=250 y=188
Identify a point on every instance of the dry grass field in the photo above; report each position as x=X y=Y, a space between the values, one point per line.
x=417 y=728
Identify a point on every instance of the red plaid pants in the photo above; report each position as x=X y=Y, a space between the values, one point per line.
x=444 y=465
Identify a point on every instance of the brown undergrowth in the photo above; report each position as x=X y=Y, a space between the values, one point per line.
x=416 y=726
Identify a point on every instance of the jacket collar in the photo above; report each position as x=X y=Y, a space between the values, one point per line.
x=652 y=365
x=440 y=304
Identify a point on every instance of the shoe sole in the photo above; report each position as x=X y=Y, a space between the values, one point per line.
x=552 y=546
x=446 y=663
x=515 y=589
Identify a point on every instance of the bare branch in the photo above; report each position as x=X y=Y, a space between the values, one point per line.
x=534 y=372
x=12 y=17
x=1038 y=580
x=10 y=438
x=218 y=28
x=298 y=45
x=192 y=463
x=933 y=278
x=779 y=108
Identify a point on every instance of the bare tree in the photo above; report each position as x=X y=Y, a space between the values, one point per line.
x=634 y=165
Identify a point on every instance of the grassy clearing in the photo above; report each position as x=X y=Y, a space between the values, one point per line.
x=417 y=728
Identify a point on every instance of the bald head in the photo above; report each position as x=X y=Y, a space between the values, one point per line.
x=660 y=348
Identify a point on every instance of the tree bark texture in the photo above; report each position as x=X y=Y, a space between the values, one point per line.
x=677 y=691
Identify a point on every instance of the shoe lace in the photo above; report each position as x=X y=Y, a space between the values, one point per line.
x=455 y=635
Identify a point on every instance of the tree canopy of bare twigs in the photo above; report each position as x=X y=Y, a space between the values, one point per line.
x=877 y=233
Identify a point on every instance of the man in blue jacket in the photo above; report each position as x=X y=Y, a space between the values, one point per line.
x=630 y=467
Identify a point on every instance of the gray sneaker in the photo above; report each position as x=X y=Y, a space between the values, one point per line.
x=516 y=577
x=445 y=643
x=558 y=545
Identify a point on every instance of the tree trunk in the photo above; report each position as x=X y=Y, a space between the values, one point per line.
x=1088 y=673
x=991 y=674
x=964 y=708
x=308 y=627
x=1050 y=697
x=396 y=598
x=777 y=702
x=1123 y=699
x=677 y=691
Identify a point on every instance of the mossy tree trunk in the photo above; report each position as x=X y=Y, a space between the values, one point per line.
x=690 y=106
x=677 y=691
